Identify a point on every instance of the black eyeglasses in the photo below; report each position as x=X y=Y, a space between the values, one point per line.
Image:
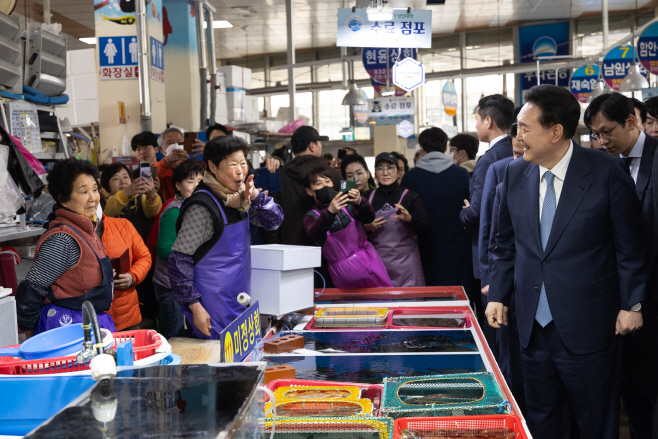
x=605 y=134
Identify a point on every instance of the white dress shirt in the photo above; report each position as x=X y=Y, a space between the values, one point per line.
x=496 y=140
x=560 y=172
x=636 y=155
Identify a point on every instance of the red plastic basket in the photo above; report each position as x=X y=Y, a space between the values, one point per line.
x=462 y=423
x=373 y=392
x=424 y=312
x=145 y=342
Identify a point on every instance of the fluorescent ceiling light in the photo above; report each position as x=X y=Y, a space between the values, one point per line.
x=390 y=91
x=88 y=40
x=380 y=16
x=218 y=24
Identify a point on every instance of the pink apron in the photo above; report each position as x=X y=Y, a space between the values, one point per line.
x=397 y=245
x=353 y=261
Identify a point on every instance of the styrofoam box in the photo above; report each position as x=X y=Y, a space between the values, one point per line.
x=236 y=77
x=285 y=257
x=282 y=277
x=8 y=325
x=235 y=99
x=235 y=114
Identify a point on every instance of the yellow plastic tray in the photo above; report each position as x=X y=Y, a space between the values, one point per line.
x=352 y=317
x=305 y=393
x=321 y=408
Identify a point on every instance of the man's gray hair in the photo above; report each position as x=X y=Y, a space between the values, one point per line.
x=167 y=131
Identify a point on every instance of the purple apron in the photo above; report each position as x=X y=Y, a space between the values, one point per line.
x=353 y=261
x=222 y=274
x=397 y=245
x=54 y=315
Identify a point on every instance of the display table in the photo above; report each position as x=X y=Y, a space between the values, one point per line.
x=195 y=351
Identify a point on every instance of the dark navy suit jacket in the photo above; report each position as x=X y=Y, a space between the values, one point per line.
x=470 y=217
x=595 y=260
x=494 y=176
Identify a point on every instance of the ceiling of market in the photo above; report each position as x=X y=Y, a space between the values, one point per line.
x=259 y=26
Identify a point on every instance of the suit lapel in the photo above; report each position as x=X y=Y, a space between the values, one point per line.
x=573 y=191
x=646 y=163
x=532 y=195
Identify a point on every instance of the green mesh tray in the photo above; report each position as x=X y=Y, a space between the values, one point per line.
x=365 y=427
x=443 y=395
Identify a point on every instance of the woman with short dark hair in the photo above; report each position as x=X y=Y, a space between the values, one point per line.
x=210 y=262
x=70 y=264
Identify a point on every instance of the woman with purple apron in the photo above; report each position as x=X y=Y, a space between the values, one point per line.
x=210 y=262
x=337 y=227
x=70 y=265
x=395 y=235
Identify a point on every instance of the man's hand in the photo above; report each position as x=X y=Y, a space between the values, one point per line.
x=339 y=201
x=272 y=164
x=404 y=214
x=199 y=146
x=496 y=314
x=485 y=290
x=175 y=157
x=376 y=224
x=200 y=318
x=123 y=281
x=466 y=204
x=250 y=192
x=628 y=321
x=354 y=196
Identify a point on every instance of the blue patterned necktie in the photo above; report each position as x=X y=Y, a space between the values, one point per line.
x=543 y=315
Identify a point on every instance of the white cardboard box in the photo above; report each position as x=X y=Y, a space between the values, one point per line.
x=236 y=77
x=282 y=277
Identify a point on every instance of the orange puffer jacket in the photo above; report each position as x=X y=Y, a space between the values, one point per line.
x=119 y=234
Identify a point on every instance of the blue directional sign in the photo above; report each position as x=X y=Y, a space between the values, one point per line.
x=583 y=81
x=648 y=48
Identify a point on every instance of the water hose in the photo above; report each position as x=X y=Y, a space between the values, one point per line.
x=89 y=318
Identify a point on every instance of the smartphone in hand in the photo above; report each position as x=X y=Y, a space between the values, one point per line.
x=145 y=170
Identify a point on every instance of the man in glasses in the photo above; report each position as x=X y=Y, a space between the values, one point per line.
x=613 y=122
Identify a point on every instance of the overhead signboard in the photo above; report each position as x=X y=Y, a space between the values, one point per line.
x=647 y=48
x=118 y=57
x=241 y=336
x=583 y=81
x=544 y=42
x=617 y=64
x=391 y=106
x=375 y=63
x=391 y=120
x=449 y=97
x=157 y=60
x=408 y=74
x=405 y=129
x=413 y=29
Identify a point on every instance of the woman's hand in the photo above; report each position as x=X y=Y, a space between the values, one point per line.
x=149 y=189
x=200 y=318
x=272 y=164
x=339 y=201
x=156 y=184
x=354 y=196
x=404 y=214
x=123 y=281
x=376 y=224
x=335 y=163
x=250 y=192
x=134 y=188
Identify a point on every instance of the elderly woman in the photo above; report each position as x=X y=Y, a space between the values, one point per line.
x=70 y=264
x=210 y=262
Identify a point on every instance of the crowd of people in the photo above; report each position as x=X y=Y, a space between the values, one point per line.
x=556 y=251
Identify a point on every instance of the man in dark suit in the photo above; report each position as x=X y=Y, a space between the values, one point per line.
x=614 y=123
x=507 y=337
x=570 y=249
x=493 y=117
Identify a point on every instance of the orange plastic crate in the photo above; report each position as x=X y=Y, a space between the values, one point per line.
x=463 y=423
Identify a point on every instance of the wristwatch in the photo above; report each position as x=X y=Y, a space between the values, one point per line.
x=637 y=307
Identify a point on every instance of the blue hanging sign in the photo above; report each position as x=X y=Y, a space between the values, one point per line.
x=543 y=41
x=583 y=81
x=449 y=97
x=157 y=60
x=118 y=57
x=617 y=64
x=647 y=48
x=412 y=29
x=374 y=61
x=241 y=336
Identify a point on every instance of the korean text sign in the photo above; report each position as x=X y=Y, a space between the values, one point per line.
x=390 y=106
x=118 y=57
x=412 y=29
x=647 y=48
x=617 y=64
x=241 y=336
x=544 y=42
x=583 y=81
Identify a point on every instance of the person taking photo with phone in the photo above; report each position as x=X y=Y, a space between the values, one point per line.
x=335 y=224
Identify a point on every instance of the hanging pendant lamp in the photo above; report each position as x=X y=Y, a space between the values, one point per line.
x=600 y=88
x=353 y=97
x=634 y=80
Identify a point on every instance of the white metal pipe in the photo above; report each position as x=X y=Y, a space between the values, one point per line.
x=46 y=11
x=212 y=65
x=143 y=65
x=604 y=13
x=291 y=60
x=203 y=63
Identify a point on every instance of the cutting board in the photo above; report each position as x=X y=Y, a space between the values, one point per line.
x=195 y=351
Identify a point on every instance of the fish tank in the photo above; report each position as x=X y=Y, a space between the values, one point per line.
x=167 y=401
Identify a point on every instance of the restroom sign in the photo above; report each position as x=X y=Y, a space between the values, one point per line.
x=118 y=57
x=157 y=60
